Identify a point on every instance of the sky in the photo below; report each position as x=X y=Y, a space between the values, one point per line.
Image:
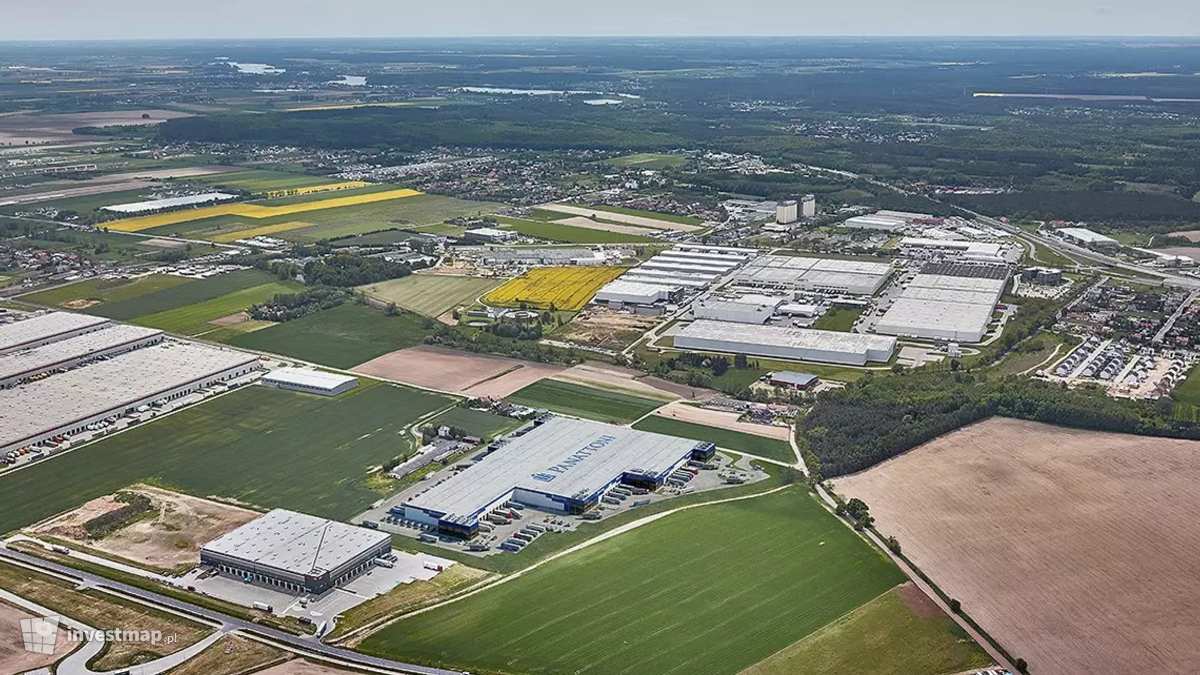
x=169 y=19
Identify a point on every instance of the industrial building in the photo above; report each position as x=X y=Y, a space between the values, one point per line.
x=953 y=248
x=908 y=216
x=689 y=267
x=666 y=278
x=793 y=380
x=1085 y=237
x=808 y=206
x=18 y=366
x=561 y=257
x=295 y=552
x=880 y=223
x=66 y=403
x=745 y=309
x=309 y=381
x=745 y=253
x=826 y=275
x=787 y=212
x=563 y=466
x=618 y=293
x=799 y=344
x=947 y=301
x=489 y=235
x=1048 y=276
x=748 y=211
x=43 y=329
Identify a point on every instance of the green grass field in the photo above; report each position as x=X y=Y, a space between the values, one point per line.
x=568 y=234
x=838 y=318
x=646 y=160
x=669 y=217
x=341 y=337
x=1188 y=391
x=114 y=290
x=883 y=637
x=383 y=238
x=724 y=438
x=582 y=401
x=164 y=296
x=476 y=423
x=194 y=319
x=709 y=591
x=431 y=294
x=263 y=446
x=264 y=180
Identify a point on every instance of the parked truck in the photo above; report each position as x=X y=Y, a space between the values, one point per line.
x=262 y=607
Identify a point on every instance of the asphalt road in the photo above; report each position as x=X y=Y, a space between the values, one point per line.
x=302 y=644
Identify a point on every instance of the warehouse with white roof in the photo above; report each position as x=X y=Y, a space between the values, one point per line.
x=745 y=309
x=622 y=292
x=947 y=301
x=827 y=275
x=66 y=403
x=309 y=381
x=1086 y=237
x=799 y=344
x=18 y=366
x=564 y=466
x=42 y=329
x=876 y=222
x=295 y=552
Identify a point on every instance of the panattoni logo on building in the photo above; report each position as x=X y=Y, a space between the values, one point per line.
x=40 y=635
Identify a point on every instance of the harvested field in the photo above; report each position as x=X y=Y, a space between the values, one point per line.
x=1192 y=252
x=431 y=294
x=249 y=232
x=721 y=419
x=514 y=380
x=589 y=224
x=21 y=128
x=447 y=369
x=604 y=376
x=172 y=539
x=231 y=320
x=13 y=657
x=232 y=655
x=1077 y=550
x=640 y=221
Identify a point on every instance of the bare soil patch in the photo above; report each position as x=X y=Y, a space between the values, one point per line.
x=13 y=657
x=589 y=224
x=169 y=540
x=232 y=319
x=1190 y=251
x=1194 y=235
x=449 y=370
x=603 y=327
x=641 y=221
x=232 y=655
x=720 y=419
x=18 y=129
x=605 y=376
x=80 y=304
x=301 y=667
x=915 y=599
x=1079 y=551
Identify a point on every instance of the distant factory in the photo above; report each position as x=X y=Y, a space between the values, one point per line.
x=947 y=301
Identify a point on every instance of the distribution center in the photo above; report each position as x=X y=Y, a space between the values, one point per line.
x=947 y=301
x=309 y=381
x=800 y=273
x=46 y=328
x=565 y=466
x=17 y=366
x=801 y=344
x=296 y=552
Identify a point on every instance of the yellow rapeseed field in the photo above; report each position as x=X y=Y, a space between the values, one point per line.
x=251 y=210
x=328 y=187
x=568 y=288
x=256 y=231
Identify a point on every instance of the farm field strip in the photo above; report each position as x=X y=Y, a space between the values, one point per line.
x=771 y=448
x=99 y=290
x=257 y=211
x=194 y=319
x=589 y=224
x=556 y=231
x=634 y=604
x=259 y=231
x=177 y=296
x=587 y=402
x=564 y=288
x=431 y=294
x=622 y=216
x=434 y=367
x=310 y=189
x=261 y=446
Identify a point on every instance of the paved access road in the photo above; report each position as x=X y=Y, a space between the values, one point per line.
x=295 y=642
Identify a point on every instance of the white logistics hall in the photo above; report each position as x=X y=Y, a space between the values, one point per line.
x=42 y=329
x=309 y=381
x=802 y=273
x=800 y=344
x=947 y=301
x=19 y=366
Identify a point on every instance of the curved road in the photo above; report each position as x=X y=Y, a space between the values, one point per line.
x=295 y=642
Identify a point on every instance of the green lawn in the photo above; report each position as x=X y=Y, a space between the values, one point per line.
x=194 y=319
x=113 y=290
x=568 y=234
x=263 y=446
x=883 y=637
x=175 y=296
x=709 y=591
x=476 y=423
x=341 y=337
x=838 y=318
x=1188 y=391
x=646 y=160
x=264 y=180
x=724 y=438
x=582 y=401
x=418 y=210
x=431 y=294
x=382 y=238
x=669 y=217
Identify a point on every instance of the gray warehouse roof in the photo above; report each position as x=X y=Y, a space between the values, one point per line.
x=40 y=359
x=782 y=336
x=565 y=457
x=44 y=327
x=297 y=543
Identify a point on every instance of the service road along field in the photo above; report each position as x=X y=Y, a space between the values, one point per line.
x=1079 y=551
x=450 y=370
x=722 y=419
x=642 y=221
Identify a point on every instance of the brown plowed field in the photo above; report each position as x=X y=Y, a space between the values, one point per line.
x=454 y=371
x=1079 y=551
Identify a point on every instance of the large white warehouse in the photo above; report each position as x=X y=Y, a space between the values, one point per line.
x=309 y=381
x=800 y=344
x=746 y=309
x=17 y=366
x=948 y=301
x=881 y=223
x=622 y=292
x=827 y=275
x=46 y=328
x=66 y=403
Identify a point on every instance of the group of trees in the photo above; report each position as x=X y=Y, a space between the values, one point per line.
x=343 y=270
x=483 y=342
x=288 y=306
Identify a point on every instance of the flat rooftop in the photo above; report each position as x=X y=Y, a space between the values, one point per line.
x=36 y=408
x=44 y=327
x=780 y=270
x=308 y=378
x=784 y=336
x=564 y=457
x=296 y=542
x=47 y=357
x=912 y=316
x=168 y=203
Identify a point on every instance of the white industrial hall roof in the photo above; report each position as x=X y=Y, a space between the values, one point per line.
x=1084 y=234
x=297 y=543
x=169 y=203
x=578 y=456
x=47 y=357
x=44 y=327
x=857 y=347
x=308 y=378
